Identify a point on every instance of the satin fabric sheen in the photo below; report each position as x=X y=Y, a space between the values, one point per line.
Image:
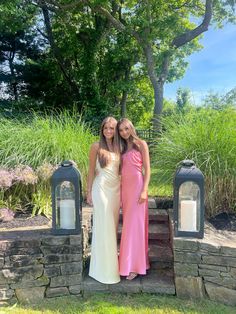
x=134 y=240
x=106 y=201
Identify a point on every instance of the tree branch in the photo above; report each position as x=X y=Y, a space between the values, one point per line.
x=203 y=27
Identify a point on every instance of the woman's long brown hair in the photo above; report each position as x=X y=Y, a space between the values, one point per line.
x=103 y=152
x=123 y=146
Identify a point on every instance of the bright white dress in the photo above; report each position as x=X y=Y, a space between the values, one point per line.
x=106 y=201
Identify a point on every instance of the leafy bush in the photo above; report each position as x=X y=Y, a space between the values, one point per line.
x=209 y=138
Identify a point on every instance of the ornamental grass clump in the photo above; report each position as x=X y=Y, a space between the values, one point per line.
x=208 y=137
x=31 y=149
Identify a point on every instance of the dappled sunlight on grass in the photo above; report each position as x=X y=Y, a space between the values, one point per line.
x=118 y=303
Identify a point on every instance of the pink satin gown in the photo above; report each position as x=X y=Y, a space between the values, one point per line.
x=134 y=239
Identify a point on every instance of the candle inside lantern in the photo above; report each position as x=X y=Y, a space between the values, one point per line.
x=67 y=214
x=188 y=216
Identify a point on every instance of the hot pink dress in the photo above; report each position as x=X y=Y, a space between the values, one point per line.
x=134 y=239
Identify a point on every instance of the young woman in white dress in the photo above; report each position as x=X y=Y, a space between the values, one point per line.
x=103 y=193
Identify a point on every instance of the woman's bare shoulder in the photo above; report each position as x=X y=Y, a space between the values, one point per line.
x=143 y=145
x=95 y=146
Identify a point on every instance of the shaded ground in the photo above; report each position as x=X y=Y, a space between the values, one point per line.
x=224 y=221
x=22 y=219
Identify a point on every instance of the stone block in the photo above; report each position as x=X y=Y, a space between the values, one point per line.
x=61 y=249
x=32 y=295
x=180 y=244
x=213 y=267
x=183 y=269
x=24 y=260
x=75 y=289
x=1 y=262
x=152 y=203
x=56 y=240
x=223 y=281
x=71 y=268
x=209 y=247
x=6 y=294
x=186 y=257
x=221 y=294
x=228 y=251
x=68 y=280
x=189 y=287
x=39 y=282
x=61 y=258
x=22 y=273
x=219 y=260
x=56 y=292
x=24 y=251
x=75 y=239
x=52 y=271
x=209 y=272
x=91 y=286
x=233 y=272
x=26 y=243
x=158 y=283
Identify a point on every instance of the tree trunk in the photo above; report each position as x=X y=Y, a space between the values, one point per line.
x=123 y=104
x=157 y=84
x=125 y=95
x=13 y=77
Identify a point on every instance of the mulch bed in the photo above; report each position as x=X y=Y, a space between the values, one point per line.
x=24 y=219
x=224 y=221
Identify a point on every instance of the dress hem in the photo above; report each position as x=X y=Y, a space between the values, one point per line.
x=105 y=283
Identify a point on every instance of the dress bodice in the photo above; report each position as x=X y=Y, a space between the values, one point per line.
x=111 y=171
x=131 y=162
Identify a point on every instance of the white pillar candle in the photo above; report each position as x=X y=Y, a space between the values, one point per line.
x=67 y=214
x=188 y=216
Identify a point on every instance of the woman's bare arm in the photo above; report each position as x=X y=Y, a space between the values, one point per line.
x=91 y=173
x=147 y=171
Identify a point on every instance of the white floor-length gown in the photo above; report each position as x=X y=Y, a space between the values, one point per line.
x=106 y=205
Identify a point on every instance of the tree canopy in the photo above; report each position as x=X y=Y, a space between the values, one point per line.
x=101 y=57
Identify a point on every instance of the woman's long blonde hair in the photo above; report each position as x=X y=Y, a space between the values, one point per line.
x=123 y=146
x=103 y=152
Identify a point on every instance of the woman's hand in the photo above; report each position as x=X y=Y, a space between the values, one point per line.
x=89 y=198
x=143 y=197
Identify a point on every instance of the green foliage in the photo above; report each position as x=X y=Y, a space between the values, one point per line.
x=41 y=142
x=209 y=138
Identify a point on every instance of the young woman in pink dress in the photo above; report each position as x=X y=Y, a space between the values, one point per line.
x=135 y=176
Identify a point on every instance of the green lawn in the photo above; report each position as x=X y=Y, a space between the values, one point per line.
x=158 y=185
x=118 y=303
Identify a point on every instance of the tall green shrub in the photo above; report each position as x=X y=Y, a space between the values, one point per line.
x=209 y=138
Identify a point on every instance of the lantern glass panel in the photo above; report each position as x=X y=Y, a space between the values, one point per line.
x=189 y=207
x=65 y=206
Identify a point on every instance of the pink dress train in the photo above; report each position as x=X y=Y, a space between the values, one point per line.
x=134 y=239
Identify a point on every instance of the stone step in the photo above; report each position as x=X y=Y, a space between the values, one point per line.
x=157 y=253
x=162 y=265
x=156 y=231
x=159 y=282
x=154 y=215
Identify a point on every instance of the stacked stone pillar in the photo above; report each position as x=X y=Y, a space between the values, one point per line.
x=35 y=265
x=206 y=267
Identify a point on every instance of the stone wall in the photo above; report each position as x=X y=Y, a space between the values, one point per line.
x=206 y=267
x=37 y=264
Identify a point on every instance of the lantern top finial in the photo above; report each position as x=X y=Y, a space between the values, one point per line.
x=66 y=163
x=187 y=163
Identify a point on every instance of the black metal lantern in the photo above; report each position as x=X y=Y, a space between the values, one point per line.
x=66 y=199
x=189 y=201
